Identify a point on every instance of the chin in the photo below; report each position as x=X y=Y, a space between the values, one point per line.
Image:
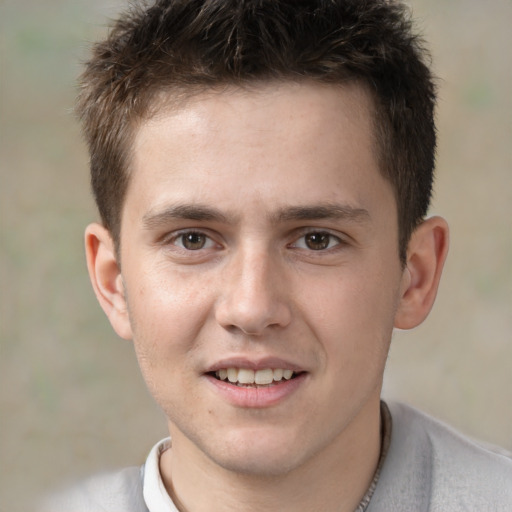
x=257 y=466
x=258 y=455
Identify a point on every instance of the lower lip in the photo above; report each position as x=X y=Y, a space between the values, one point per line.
x=257 y=398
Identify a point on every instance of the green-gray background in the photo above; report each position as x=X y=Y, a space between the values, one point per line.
x=72 y=401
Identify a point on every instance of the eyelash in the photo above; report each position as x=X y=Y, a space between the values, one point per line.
x=318 y=233
x=333 y=241
x=175 y=237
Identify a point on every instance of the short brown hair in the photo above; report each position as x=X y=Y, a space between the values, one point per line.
x=183 y=45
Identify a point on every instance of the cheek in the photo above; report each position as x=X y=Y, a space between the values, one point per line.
x=357 y=320
x=166 y=314
x=165 y=320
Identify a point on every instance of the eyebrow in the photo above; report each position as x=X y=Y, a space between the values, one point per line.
x=202 y=213
x=320 y=212
x=154 y=220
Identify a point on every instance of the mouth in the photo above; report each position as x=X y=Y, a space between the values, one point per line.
x=248 y=378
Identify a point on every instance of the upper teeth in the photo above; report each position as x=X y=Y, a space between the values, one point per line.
x=247 y=376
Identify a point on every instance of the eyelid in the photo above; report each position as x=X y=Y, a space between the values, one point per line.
x=340 y=238
x=170 y=238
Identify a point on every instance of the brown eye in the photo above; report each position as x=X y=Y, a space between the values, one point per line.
x=192 y=241
x=317 y=241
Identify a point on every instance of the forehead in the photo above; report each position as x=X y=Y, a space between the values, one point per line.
x=276 y=142
x=312 y=107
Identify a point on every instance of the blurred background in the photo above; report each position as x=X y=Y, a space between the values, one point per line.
x=71 y=398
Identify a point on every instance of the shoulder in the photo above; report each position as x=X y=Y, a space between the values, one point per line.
x=450 y=449
x=431 y=464
x=108 y=492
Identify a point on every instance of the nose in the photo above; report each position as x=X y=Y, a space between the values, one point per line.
x=253 y=297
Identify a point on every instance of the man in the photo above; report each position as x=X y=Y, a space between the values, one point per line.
x=263 y=171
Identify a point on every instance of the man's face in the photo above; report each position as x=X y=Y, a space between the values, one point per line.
x=259 y=239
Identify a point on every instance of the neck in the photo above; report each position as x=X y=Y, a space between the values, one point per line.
x=335 y=479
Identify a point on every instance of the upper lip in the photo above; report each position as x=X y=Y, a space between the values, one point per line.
x=254 y=363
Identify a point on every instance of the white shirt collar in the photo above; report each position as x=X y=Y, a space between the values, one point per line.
x=155 y=494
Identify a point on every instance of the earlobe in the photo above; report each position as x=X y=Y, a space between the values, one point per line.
x=426 y=255
x=106 y=278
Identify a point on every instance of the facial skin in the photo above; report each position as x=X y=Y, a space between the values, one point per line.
x=258 y=233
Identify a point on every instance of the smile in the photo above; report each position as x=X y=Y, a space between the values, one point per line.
x=260 y=387
x=245 y=377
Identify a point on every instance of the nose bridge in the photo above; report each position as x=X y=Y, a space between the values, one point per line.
x=255 y=283
x=251 y=298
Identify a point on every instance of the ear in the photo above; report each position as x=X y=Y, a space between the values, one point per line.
x=106 y=278
x=426 y=254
